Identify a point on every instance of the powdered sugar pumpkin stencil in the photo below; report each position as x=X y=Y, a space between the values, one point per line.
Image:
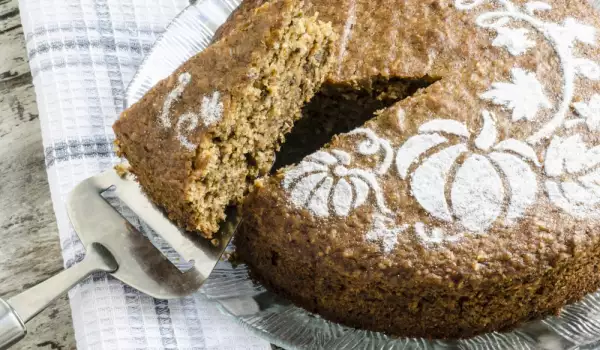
x=466 y=181
x=326 y=185
x=477 y=193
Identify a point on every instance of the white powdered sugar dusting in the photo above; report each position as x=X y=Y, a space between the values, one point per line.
x=432 y=235
x=412 y=149
x=323 y=157
x=524 y=96
x=371 y=180
x=342 y=198
x=322 y=184
x=488 y=135
x=303 y=189
x=569 y=155
x=571 y=203
x=429 y=181
x=361 y=189
x=318 y=203
x=516 y=41
x=401 y=115
x=592 y=182
x=342 y=156
x=436 y=235
x=211 y=111
x=374 y=144
x=534 y=6
x=385 y=233
x=191 y=120
x=522 y=181
x=301 y=170
x=576 y=193
x=346 y=34
x=488 y=179
x=575 y=183
x=183 y=80
x=447 y=126
x=477 y=193
x=519 y=148
x=590 y=113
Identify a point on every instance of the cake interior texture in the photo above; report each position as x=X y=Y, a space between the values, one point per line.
x=264 y=114
x=248 y=89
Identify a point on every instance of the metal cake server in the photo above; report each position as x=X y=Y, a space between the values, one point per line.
x=113 y=245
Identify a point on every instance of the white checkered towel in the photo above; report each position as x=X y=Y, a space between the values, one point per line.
x=83 y=53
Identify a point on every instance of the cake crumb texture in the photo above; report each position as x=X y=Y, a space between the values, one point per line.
x=199 y=139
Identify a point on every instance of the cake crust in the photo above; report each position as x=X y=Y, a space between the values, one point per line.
x=469 y=207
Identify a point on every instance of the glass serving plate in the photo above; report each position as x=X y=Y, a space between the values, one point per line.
x=279 y=321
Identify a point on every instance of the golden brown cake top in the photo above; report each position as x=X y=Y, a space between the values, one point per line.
x=492 y=171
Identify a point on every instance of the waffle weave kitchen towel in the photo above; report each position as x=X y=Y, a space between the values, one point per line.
x=82 y=54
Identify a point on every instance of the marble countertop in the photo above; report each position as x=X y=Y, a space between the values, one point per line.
x=29 y=245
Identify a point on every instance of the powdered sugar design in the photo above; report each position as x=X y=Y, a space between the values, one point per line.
x=384 y=232
x=534 y=6
x=211 y=111
x=300 y=196
x=186 y=123
x=562 y=37
x=401 y=115
x=412 y=150
x=516 y=41
x=524 y=96
x=324 y=185
x=346 y=34
x=522 y=181
x=520 y=148
x=343 y=196
x=183 y=80
x=488 y=135
x=428 y=182
x=448 y=126
x=470 y=182
x=477 y=191
x=374 y=144
x=589 y=113
x=574 y=176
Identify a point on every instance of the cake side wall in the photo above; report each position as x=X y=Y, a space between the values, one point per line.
x=403 y=302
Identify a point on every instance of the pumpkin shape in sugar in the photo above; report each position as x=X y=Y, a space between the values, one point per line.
x=323 y=184
x=494 y=180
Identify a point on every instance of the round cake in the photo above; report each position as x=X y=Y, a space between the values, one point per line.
x=470 y=205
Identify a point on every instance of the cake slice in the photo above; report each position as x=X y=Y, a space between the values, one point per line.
x=197 y=141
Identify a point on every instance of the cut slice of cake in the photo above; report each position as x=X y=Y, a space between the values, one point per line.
x=199 y=139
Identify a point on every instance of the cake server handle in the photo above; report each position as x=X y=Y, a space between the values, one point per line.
x=21 y=308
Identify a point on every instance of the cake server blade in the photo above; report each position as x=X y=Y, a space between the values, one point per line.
x=115 y=246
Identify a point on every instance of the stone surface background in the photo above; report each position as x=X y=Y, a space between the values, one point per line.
x=29 y=246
